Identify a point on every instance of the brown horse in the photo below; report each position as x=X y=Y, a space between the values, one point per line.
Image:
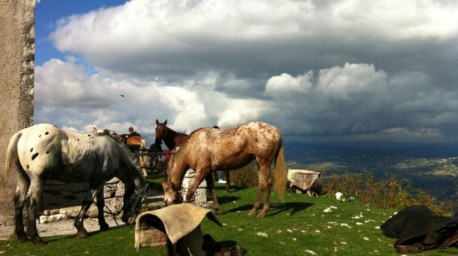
x=209 y=149
x=136 y=141
x=174 y=139
x=170 y=137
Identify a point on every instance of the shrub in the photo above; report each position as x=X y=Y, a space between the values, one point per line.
x=246 y=176
x=386 y=193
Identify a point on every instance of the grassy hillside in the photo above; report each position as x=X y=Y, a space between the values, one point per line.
x=303 y=226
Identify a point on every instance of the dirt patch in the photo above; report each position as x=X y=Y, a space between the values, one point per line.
x=65 y=227
x=62 y=227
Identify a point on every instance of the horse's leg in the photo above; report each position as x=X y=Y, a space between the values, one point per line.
x=81 y=232
x=34 y=203
x=228 y=182
x=264 y=183
x=211 y=188
x=143 y=164
x=267 y=192
x=19 y=201
x=100 y=206
x=198 y=177
x=129 y=189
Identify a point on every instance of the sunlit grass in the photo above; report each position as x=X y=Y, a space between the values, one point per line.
x=303 y=226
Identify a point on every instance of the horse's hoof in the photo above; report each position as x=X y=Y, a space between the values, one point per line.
x=36 y=240
x=104 y=227
x=82 y=233
x=23 y=238
x=252 y=213
x=261 y=215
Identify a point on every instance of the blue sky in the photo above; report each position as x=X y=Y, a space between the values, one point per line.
x=340 y=70
x=48 y=12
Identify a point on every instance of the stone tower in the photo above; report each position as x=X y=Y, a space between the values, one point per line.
x=17 y=51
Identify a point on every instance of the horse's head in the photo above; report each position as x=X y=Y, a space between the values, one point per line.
x=172 y=186
x=171 y=195
x=132 y=206
x=161 y=129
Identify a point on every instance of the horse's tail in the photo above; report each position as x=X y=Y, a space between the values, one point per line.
x=12 y=159
x=280 y=173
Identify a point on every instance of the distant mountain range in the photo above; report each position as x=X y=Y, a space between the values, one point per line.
x=295 y=150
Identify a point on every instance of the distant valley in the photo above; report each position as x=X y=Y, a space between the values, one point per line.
x=430 y=167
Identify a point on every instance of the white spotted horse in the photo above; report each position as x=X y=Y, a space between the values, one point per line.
x=45 y=151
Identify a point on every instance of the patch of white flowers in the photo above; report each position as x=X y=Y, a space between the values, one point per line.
x=330 y=209
x=262 y=234
x=310 y=252
x=339 y=196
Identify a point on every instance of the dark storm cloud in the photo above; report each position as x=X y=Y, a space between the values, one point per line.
x=329 y=69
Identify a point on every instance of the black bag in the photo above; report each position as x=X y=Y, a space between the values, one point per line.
x=417 y=228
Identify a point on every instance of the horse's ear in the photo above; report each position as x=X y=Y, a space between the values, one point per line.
x=165 y=122
x=157 y=122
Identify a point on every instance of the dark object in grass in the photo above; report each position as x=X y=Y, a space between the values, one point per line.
x=417 y=228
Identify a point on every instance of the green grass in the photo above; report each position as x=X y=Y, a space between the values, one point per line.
x=301 y=227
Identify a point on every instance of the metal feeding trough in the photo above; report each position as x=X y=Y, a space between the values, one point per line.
x=302 y=180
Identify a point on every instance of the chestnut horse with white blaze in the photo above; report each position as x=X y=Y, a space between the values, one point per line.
x=45 y=151
x=210 y=149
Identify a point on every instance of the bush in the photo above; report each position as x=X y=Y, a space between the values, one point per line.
x=246 y=176
x=386 y=193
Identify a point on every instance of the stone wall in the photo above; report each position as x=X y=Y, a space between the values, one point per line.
x=17 y=51
x=63 y=201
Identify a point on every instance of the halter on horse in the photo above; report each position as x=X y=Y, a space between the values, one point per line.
x=209 y=149
x=44 y=151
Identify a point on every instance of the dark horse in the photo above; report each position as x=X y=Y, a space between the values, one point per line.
x=170 y=137
x=44 y=151
x=209 y=149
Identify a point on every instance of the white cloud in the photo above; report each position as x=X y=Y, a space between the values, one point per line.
x=289 y=85
x=350 y=80
x=189 y=36
x=313 y=68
